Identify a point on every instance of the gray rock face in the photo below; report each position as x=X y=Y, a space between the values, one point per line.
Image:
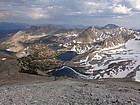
x=69 y=92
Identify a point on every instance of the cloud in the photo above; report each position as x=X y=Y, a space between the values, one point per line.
x=68 y=11
x=90 y=8
x=37 y=13
x=121 y=9
x=38 y=9
x=135 y=4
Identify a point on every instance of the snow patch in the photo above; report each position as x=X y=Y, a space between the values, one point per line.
x=137 y=77
x=3 y=59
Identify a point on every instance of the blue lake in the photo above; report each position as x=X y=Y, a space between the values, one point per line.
x=64 y=72
x=56 y=47
x=6 y=52
x=67 y=72
x=67 y=56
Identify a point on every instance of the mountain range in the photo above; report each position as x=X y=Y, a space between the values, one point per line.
x=13 y=26
x=105 y=52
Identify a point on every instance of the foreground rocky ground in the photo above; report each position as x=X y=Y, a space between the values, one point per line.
x=70 y=92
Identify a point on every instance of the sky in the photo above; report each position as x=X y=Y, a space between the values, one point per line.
x=74 y=12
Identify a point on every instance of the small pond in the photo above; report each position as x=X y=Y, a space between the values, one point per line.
x=67 y=56
x=6 y=52
x=56 y=47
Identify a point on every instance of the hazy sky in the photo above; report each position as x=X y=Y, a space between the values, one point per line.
x=84 y=12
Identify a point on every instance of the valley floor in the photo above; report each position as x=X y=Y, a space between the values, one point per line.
x=24 y=89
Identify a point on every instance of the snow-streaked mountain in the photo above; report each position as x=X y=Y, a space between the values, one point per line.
x=110 y=52
x=106 y=38
x=122 y=61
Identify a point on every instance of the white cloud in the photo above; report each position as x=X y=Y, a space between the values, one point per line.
x=135 y=4
x=91 y=3
x=121 y=9
x=91 y=8
x=37 y=13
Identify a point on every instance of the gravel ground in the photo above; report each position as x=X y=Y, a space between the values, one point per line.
x=72 y=92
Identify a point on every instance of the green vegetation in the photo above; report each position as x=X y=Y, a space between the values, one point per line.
x=41 y=58
x=1 y=52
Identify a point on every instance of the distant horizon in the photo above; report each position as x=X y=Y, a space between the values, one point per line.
x=45 y=24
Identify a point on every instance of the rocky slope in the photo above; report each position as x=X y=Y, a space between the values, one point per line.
x=8 y=65
x=65 y=92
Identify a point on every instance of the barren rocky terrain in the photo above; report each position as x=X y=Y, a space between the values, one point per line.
x=70 y=92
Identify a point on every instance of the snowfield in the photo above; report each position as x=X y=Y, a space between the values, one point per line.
x=114 y=62
x=137 y=77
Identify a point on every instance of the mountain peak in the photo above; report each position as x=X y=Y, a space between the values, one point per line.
x=91 y=28
x=110 y=26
